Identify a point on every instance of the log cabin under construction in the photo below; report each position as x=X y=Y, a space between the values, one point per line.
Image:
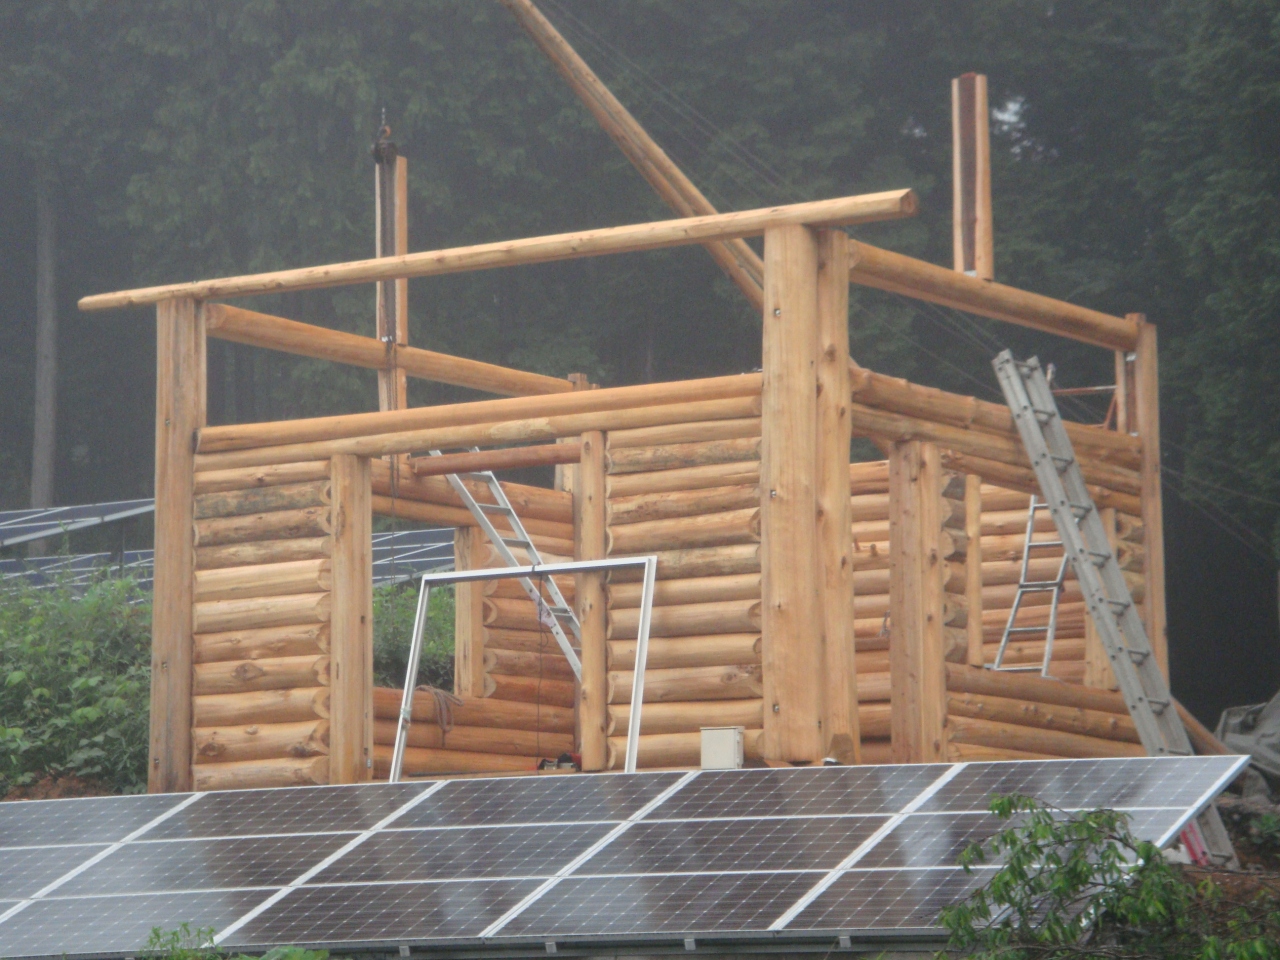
x=831 y=609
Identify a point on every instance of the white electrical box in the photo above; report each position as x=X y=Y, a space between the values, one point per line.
x=722 y=748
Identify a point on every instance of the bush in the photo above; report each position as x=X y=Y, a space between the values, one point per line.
x=75 y=683
x=393 y=613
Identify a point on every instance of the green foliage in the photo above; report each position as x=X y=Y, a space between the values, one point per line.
x=393 y=613
x=74 y=683
x=1081 y=886
x=183 y=943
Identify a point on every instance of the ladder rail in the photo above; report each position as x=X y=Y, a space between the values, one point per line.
x=549 y=615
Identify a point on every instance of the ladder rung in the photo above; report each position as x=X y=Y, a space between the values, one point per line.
x=560 y=611
x=1038 y=586
x=1138 y=656
x=1119 y=606
x=1084 y=509
x=496 y=508
x=1099 y=557
x=482 y=477
x=516 y=542
x=1044 y=543
x=1027 y=629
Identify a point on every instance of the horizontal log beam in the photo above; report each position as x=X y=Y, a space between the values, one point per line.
x=320 y=343
x=1009 y=736
x=424 y=761
x=839 y=212
x=254 y=774
x=1023 y=480
x=265 y=741
x=261 y=706
x=476 y=712
x=874 y=267
x=271 y=475
x=508 y=458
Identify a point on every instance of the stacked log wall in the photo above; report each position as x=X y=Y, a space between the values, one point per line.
x=261 y=623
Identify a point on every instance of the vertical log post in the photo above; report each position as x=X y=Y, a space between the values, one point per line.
x=973 y=238
x=351 y=627
x=590 y=526
x=973 y=567
x=468 y=617
x=180 y=411
x=917 y=671
x=842 y=739
x=1146 y=418
x=391 y=180
x=792 y=623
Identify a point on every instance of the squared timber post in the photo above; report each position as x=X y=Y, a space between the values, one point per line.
x=590 y=527
x=351 y=626
x=468 y=614
x=973 y=236
x=180 y=412
x=917 y=670
x=1145 y=413
x=791 y=621
x=835 y=543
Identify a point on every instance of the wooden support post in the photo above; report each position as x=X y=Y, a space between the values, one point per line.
x=590 y=532
x=180 y=412
x=391 y=180
x=917 y=670
x=1146 y=419
x=1097 y=668
x=789 y=558
x=973 y=566
x=468 y=617
x=840 y=707
x=971 y=173
x=351 y=624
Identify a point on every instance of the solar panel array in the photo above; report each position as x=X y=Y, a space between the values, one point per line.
x=785 y=855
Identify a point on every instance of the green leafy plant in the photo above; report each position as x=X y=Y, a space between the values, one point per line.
x=1081 y=886
x=74 y=683
x=183 y=943
x=393 y=612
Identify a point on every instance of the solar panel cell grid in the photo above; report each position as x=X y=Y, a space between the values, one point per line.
x=23 y=872
x=84 y=820
x=888 y=899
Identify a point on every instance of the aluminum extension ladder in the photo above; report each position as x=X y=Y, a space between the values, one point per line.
x=1026 y=587
x=1106 y=595
x=556 y=615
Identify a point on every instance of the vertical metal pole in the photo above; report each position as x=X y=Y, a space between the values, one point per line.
x=411 y=675
x=642 y=655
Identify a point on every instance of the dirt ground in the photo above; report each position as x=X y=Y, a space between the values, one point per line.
x=51 y=787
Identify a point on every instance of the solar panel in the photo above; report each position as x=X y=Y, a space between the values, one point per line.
x=792 y=857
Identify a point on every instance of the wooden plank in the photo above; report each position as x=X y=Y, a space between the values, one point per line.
x=180 y=412
x=837 y=212
x=791 y=619
x=590 y=543
x=351 y=624
x=973 y=566
x=916 y=664
x=1146 y=414
x=307 y=340
x=832 y=492
x=468 y=620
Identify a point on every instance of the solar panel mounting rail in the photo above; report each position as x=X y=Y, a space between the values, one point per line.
x=1106 y=594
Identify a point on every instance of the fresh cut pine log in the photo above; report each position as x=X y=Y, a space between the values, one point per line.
x=481 y=434
x=288 y=496
x=688 y=620
x=702 y=651
x=741 y=586
x=967 y=752
x=685 y=433
x=682 y=503
x=877 y=751
x=425 y=762
x=686 y=478
x=1023 y=686
x=1026 y=652
x=509 y=614
x=530 y=640
x=697 y=562
x=869 y=477
x=264 y=580
x=255 y=774
x=550 y=666
x=476 y=712
x=557 y=693
x=538 y=503
x=511 y=589
x=709 y=530
x=674 y=456
x=736 y=682
x=519 y=743
x=216 y=616
x=1009 y=736
x=505 y=458
x=260 y=741
x=674 y=749
x=688 y=717
x=263 y=706
x=1028 y=713
x=275 y=525
x=270 y=475
x=541 y=531
x=1022 y=479
x=258 y=644
x=874 y=720
x=1071 y=617
x=263 y=552
x=230 y=676
x=873 y=687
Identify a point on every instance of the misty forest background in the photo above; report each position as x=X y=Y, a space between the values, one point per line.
x=1136 y=167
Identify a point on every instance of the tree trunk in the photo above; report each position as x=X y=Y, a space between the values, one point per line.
x=45 y=420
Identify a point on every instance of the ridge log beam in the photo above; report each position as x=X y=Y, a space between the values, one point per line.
x=180 y=412
x=792 y=620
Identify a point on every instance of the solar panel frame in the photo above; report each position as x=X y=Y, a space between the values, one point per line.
x=607 y=816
